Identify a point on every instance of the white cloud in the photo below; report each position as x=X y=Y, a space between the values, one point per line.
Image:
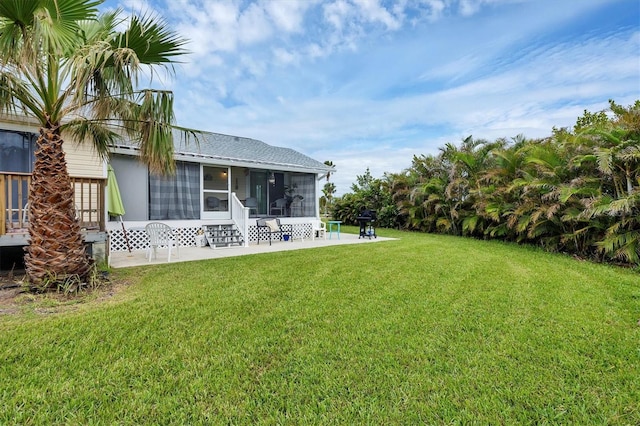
x=372 y=11
x=314 y=50
x=454 y=69
x=288 y=16
x=337 y=12
x=435 y=9
x=138 y=6
x=253 y=25
x=283 y=56
x=471 y=7
x=210 y=29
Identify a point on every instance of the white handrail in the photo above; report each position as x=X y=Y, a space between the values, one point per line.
x=240 y=217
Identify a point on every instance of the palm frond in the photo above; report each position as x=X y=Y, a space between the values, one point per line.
x=567 y=192
x=470 y=223
x=149 y=39
x=155 y=117
x=622 y=206
x=500 y=230
x=444 y=224
x=99 y=136
x=631 y=152
x=57 y=22
x=621 y=245
x=16 y=98
x=604 y=158
x=15 y=17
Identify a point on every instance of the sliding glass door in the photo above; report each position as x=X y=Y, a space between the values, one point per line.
x=258 y=190
x=266 y=187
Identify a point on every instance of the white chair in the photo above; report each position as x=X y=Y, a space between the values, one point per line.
x=319 y=227
x=25 y=213
x=278 y=207
x=160 y=235
x=296 y=206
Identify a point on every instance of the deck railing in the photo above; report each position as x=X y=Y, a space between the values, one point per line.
x=14 y=195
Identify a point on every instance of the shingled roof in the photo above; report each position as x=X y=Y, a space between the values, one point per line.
x=235 y=150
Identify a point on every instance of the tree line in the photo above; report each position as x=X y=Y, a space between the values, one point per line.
x=576 y=191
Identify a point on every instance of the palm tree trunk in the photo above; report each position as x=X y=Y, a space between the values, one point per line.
x=56 y=252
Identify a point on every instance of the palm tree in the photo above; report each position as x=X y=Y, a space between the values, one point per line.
x=328 y=190
x=330 y=164
x=617 y=154
x=622 y=239
x=500 y=194
x=74 y=72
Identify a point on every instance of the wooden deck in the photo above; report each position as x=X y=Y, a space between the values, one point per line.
x=14 y=193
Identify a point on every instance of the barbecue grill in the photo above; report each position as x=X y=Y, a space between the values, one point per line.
x=367 y=220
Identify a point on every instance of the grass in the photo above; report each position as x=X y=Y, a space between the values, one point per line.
x=426 y=329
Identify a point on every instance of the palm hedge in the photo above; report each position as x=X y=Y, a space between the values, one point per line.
x=576 y=191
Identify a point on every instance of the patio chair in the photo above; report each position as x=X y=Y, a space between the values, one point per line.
x=279 y=206
x=25 y=213
x=296 y=206
x=320 y=228
x=213 y=203
x=160 y=235
x=252 y=203
x=271 y=226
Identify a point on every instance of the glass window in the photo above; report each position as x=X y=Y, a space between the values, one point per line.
x=16 y=156
x=215 y=191
x=17 y=151
x=258 y=190
x=215 y=178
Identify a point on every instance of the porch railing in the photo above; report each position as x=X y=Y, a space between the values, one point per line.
x=14 y=195
x=240 y=216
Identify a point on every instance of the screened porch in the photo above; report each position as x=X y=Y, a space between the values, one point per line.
x=203 y=191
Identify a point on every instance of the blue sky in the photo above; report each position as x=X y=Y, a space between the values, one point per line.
x=371 y=83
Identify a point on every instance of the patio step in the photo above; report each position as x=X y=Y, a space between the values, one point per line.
x=222 y=235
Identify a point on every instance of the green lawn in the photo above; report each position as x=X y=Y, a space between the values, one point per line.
x=426 y=329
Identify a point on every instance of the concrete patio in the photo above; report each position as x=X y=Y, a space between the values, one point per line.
x=138 y=258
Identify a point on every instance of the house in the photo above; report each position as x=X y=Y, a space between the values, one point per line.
x=222 y=185
x=222 y=182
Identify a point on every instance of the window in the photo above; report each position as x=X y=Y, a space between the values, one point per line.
x=17 y=151
x=215 y=191
x=17 y=156
x=175 y=197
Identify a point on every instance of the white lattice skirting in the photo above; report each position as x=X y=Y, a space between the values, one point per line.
x=138 y=238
